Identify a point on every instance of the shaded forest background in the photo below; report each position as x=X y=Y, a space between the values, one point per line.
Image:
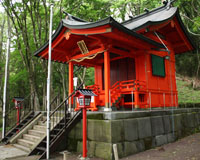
x=29 y=27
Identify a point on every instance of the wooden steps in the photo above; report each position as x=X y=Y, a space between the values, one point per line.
x=34 y=135
x=31 y=137
x=23 y=148
x=25 y=143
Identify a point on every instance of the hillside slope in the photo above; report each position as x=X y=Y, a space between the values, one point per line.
x=186 y=93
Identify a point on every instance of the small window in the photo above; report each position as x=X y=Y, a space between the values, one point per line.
x=158 y=65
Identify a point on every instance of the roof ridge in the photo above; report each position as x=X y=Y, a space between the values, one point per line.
x=155 y=10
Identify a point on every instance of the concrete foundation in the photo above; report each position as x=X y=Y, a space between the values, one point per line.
x=133 y=132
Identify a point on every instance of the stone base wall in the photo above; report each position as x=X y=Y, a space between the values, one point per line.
x=133 y=132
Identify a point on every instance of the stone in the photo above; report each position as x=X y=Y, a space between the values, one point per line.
x=190 y=120
x=149 y=142
x=104 y=150
x=199 y=118
x=78 y=131
x=99 y=130
x=160 y=140
x=120 y=149
x=140 y=145
x=79 y=146
x=91 y=148
x=131 y=129
x=157 y=125
x=170 y=138
x=176 y=122
x=130 y=148
x=167 y=124
x=72 y=144
x=71 y=134
x=178 y=134
x=144 y=127
x=95 y=115
x=117 y=131
x=125 y=115
x=196 y=118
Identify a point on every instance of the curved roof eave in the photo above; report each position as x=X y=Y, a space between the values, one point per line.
x=56 y=33
x=75 y=24
x=185 y=30
x=156 y=16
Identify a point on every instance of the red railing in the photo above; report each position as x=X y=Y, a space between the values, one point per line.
x=95 y=88
x=121 y=87
x=118 y=88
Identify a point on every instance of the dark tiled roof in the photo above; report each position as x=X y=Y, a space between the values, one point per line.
x=87 y=92
x=76 y=23
x=18 y=98
x=155 y=16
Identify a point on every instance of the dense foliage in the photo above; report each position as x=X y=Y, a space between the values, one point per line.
x=29 y=30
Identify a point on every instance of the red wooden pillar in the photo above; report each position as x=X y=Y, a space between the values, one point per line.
x=71 y=70
x=136 y=99
x=98 y=76
x=136 y=94
x=107 y=77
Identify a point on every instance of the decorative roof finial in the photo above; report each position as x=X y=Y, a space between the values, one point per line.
x=169 y=4
x=146 y=10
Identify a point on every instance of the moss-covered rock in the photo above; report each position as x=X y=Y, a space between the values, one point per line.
x=130 y=148
x=157 y=125
x=99 y=130
x=130 y=130
x=144 y=127
x=117 y=131
x=104 y=150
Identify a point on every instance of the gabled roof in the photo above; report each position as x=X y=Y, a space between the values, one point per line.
x=76 y=23
x=128 y=32
x=155 y=17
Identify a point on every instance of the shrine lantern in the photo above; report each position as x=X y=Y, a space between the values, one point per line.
x=18 y=106
x=84 y=99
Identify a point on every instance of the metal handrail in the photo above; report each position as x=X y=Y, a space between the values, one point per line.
x=63 y=102
x=11 y=115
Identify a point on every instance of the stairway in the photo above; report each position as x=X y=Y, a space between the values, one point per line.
x=33 y=135
x=116 y=100
x=15 y=130
x=57 y=132
x=30 y=136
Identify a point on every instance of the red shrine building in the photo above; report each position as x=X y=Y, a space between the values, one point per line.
x=134 y=61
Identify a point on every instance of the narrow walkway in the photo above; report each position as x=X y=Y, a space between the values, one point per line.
x=187 y=148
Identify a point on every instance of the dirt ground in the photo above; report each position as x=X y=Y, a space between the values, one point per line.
x=187 y=148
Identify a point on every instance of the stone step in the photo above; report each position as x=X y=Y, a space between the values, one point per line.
x=25 y=143
x=42 y=123
x=21 y=147
x=36 y=132
x=57 y=117
x=39 y=127
x=31 y=137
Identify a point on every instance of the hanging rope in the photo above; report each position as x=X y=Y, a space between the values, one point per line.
x=87 y=57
